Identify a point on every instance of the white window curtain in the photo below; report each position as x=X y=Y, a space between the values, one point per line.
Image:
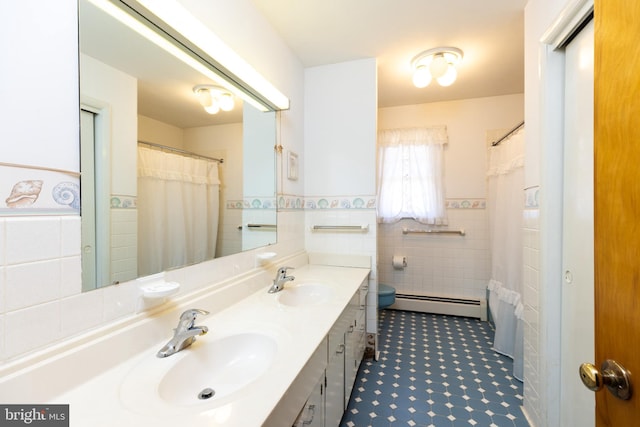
x=410 y=175
x=506 y=204
x=178 y=209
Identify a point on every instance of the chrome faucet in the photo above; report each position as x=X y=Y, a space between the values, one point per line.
x=185 y=334
x=281 y=277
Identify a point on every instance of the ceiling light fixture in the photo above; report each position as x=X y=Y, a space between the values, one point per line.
x=438 y=63
x=214 y=98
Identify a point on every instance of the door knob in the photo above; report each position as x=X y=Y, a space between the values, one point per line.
x=611 y=374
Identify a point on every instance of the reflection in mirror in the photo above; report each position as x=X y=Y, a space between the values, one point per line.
x=164 y=183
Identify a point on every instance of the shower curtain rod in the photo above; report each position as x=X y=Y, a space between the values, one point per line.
x=508 y=134
x=179 y=151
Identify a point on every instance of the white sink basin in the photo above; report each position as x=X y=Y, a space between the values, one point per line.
x=207 y=373
x=305 y=293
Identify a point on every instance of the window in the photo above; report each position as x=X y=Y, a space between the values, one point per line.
x=410 y=175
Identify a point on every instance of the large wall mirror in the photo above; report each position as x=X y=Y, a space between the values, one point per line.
x=165 y=182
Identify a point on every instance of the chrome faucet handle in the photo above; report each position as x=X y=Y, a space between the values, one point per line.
x=188 y=318
x=283 y=270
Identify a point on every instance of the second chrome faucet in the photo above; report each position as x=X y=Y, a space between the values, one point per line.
x=281 y=278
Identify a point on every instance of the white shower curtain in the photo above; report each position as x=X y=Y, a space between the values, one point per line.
x=506 y=203
x=178 y=208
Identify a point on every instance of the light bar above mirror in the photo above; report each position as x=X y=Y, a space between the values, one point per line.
x=166 y=22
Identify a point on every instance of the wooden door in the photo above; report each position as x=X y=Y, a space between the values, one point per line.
x=617 y=201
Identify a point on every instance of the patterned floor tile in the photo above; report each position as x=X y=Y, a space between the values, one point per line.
x=435 y=371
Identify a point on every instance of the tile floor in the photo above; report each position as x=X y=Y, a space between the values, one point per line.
x=435 y=371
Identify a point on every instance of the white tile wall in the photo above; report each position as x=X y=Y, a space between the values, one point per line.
x=124 y=245
x=32 y=239
x=532 y=372
x=255 y=237
x=347 y=242
x=41 y=301
x=228 y=233
x=32 y=283
x=448 y=265
x=31 y=328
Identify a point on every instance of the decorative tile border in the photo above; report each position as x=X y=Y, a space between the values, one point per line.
x=287 y=201
x=29 y=191
x=338 y=202
x=466 y=204
x=119 y=201
x=252 y=203
x=360 y=202
x=531 y=200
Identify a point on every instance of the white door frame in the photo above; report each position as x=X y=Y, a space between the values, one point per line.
x=102 y=141
x=551 y=128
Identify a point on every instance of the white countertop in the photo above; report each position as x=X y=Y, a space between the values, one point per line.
x=297 y=330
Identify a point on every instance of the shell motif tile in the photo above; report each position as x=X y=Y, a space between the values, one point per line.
x=24 y=193
x=67 y=194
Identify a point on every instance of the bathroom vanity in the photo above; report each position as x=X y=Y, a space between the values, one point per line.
x=272 y=359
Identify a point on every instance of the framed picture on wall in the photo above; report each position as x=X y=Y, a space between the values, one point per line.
x=292 y=166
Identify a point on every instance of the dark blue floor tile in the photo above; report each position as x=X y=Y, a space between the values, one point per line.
x=441 y=421
x=481 y=419
x=435 y=371
x=502 y=421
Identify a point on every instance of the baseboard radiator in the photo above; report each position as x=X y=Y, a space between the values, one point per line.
x=442 y=305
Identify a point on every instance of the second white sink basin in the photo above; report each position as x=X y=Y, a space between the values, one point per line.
x=305 y=293
x=205 y=373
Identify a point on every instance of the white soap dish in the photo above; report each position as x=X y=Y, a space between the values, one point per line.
x=160 y=289
x=265 y=256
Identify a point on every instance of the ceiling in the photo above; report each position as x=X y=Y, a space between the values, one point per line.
x=490 y=33
x=320 y=32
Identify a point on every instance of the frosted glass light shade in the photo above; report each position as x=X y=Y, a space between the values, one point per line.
x=204 y=96
x=214 y=108
x=449 y=76
x=226 y=102
x=421 y=77
x=438 y=66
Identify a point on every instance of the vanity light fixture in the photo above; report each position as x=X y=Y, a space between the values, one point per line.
x=176 y=16
x=214 y=98
x=438 y=63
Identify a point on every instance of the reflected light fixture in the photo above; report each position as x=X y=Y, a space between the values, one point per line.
x=214 y=98
x=438 y=63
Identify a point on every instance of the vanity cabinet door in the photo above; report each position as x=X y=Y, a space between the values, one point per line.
x=312 y=414
x=335 y=374
x=355 y=345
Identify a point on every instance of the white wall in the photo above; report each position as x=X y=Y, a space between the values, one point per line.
x=40 y=301
x=157 y=132
x=39 y=83
x=338 y=162
x=340 y=129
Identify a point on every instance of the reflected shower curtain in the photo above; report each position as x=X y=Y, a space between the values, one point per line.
x=505 y=204
x=178 y=208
